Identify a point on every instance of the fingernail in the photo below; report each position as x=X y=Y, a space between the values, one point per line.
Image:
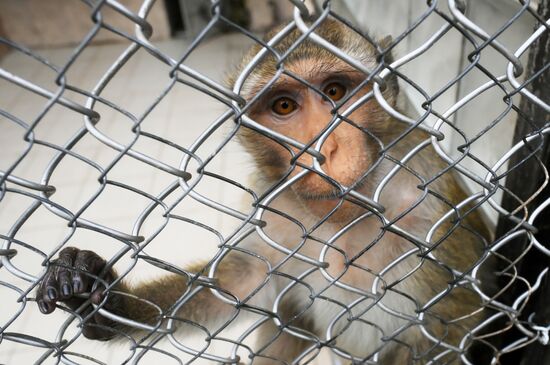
x=66 y=290
x=52 y=294
x=77 y=285
x=43 y=307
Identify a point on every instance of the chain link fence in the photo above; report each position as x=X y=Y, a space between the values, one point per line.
x=508 y=322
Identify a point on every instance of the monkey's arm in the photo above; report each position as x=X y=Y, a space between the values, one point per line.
x=75 y=271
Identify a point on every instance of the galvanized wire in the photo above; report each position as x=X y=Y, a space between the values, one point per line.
x=512 y=80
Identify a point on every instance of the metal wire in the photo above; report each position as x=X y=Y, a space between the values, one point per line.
x=517 y=327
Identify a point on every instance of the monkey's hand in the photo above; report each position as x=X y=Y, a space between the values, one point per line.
x=72 y=274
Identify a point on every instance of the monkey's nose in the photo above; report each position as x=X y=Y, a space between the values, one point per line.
x=328 y=150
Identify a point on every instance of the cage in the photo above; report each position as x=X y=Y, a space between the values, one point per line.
x=139 y=133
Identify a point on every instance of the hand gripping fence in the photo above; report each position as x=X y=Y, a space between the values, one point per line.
x=511 y=188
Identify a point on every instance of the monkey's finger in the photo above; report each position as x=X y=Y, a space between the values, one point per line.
x=98 y=294
x=67 y=255
x=49 y=286
x=45 y=307
x=64 y=282
x=49 y=291
x=46 y=294
x=86 y=262
x=114 y=300
x=64 y=275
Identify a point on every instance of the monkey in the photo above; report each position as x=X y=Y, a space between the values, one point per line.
x=373 y=293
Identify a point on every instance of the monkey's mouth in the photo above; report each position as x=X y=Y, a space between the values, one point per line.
x=313 y=196
x=336 y=203
x=309 y=193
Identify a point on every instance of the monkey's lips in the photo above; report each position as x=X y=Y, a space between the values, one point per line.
x=307 y=192
x=331 y=206
x=320 y=201
x=330 y=195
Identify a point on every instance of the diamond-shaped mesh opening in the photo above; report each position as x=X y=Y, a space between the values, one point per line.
x=147 y=176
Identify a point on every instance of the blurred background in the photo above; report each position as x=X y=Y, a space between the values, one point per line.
x=54 y=29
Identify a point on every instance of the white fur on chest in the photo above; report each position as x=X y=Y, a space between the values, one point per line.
x=358 y=324
x=359 y=328
x=355 y=322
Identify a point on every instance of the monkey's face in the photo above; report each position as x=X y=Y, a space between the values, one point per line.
x=303 y=111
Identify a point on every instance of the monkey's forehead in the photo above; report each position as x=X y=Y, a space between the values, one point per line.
x=331 y=30
x=294 y=49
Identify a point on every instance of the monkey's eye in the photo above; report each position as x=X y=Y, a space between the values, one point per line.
x=284 y=106
x=335 y=91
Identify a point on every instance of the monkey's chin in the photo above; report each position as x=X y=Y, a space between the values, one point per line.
x=332 y=210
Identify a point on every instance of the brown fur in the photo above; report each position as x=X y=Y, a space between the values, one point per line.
x=458 y=311
x=334 y=32
x=240 y=274
x=448 y=319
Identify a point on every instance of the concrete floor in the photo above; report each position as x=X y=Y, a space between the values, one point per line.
x=180 y=117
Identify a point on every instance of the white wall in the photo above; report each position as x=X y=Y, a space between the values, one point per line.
x=445 y=60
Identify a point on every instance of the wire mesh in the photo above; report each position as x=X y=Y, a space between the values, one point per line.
x=301 y=306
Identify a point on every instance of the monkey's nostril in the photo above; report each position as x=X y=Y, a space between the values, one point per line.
x=329 y=148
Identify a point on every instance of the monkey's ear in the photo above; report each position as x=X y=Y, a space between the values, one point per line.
x=384 y=44
x=386 y=41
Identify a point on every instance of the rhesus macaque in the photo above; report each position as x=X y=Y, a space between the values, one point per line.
x=390 y=325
